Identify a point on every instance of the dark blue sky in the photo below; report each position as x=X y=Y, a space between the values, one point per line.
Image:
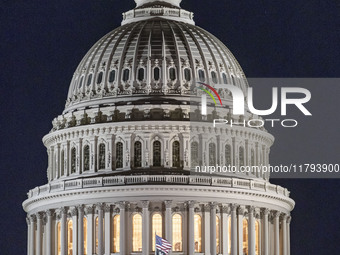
x=42 y=42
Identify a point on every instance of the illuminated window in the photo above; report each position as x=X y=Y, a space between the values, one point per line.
x=86 y=158
x=100 y=78
x=194 y=154
x=89 y=80
x=172 y=73
x=175 y=154
x=138 y=154
x=73 y=160
x=212 y=154
x=62 y=159
x=126 y=75
x=85 y=235
x=112 y=76
x=214 y=77
x=245 y=237
x=58 y=239
x=140 y=75
x=225 y=80
x=156 y=228
x=116 y=233
x=156 y=73
x=137 y=232
x=81 y=82
x=101 y=156
x=218 y=238
x=156 y=153
x=187 y=74
x=96 y=234
x=198 y=232
x=257 y=237
x=227 y=155
x=119 y=155
x=229 y=235
x=241 y=156
x=177 y=232
x=201 y=75
x=69 y=237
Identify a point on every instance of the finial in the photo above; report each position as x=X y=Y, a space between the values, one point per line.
x=172 y=2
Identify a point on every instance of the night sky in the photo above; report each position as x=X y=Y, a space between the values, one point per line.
x=42 y=42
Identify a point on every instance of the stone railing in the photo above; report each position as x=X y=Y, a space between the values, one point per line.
x=158 y=179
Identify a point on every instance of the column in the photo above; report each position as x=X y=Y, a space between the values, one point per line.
x=63 y=234
x=265 y=214
x=289 y=219
x=251 y=231
x=32 y=238
x=107 y=210
x=146 y=228
x=74 y=214
x=225 y=230
x=168 y=232
x=240 y=216
x=100 y=208
x=39 y=234
x=233 y=229
x=213 y=228
x=122 y=243
x=28 y=234
x=206 y=229
x=80 y=230
x=191 y=222
x=49 y=242
x=89 y=214
x=277 y=233
x=284 y=234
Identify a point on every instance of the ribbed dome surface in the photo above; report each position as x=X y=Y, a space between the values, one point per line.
x=155 y=57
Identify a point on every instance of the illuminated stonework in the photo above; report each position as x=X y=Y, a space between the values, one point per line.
x=122 y=156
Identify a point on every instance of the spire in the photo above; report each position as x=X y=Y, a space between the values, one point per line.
x=175 y=3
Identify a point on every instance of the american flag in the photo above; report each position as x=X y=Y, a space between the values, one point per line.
x=163 y=247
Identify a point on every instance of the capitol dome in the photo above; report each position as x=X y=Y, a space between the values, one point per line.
x=124 y=154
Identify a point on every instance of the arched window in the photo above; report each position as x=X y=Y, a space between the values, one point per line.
x=89 y=79
x=241 y=156
x=137 y=233
x=175 y=154
x=86 y=158
x=58 y=239
x=214 y=77
x=156 y=228
x=116 y=234
x=233 y=80
x=81 y=82
x=218 y=237
x=138 y=154
x=245 y=237
x=156 y=153
x=156 y=73
x=96 y=234
x=172 y=73
x=119 y=155
x=224 y=77
x=257 y=237
x=229 y=235
x=187 y=74
x=198 y=232
x=62 y=163
x=252 y=157
x=177 y=232
x=73 y=160
x=100 y=78
x=112 y=76
x=101 y=156
x=228 y=155
x=126 y=75
x=194 y=154
x=201 y=75
x=69 y=237
x=85 y=235
x=212 y=154
x=140 y=74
